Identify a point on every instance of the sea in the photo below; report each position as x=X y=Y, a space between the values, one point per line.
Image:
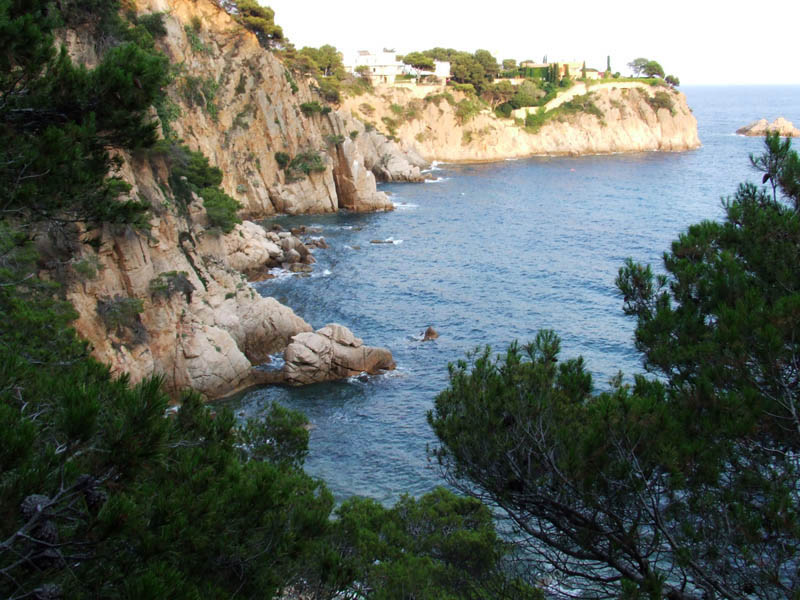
x=487 y=254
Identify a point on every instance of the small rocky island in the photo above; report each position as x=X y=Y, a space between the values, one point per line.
x=761 y=127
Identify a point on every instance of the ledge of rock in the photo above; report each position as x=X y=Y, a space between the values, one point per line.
x=331 y=353
x=762 y=127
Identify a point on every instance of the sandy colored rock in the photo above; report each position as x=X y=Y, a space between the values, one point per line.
x=331 y=353
x=628 y=124
x=210 y=339
x=761 y=127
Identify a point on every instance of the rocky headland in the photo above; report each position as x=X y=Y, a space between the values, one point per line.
x=762 y=127
x=625 y=117
x=175 y=300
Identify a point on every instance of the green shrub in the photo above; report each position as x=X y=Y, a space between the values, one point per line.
x=120 y=313
x=661 y=100
x=330 y=89
x=437 y=98
x=190 y=172
x=467 y=109
x=504 y=110
x=367 y=109
x=353 y=134
x=310 y=108
x=391 y=125
x=290 y=80
x=466 y=88
x=166 y=284
x=413 y=110
x=199 y=91
x=356 y=86
x=220 y=208
x=195 y=43
x=535 y=120
x=88 y=267
x=583 y=103
x=334 y=139
x=396 y=109
x=282 y=158
x=153 y=23
x=307 y=162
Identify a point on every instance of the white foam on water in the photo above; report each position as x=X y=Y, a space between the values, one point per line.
x=280 y=273
x=405 y=205
x=437 y=180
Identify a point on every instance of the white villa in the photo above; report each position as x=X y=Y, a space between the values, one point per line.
x=384 y=67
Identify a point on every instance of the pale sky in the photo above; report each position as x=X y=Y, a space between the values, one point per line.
x=699 y=41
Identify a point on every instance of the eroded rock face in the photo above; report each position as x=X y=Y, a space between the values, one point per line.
x=381 y=157
x=761 y=127
x=210 y=335
x=630 y=121
x=208 y=339
x=331 y=353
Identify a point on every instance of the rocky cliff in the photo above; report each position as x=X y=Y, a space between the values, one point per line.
x=440 y=126
x=173 y=300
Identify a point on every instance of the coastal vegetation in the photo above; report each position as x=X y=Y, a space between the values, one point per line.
x=103 y=491
x=108 y=489
x=681 y=484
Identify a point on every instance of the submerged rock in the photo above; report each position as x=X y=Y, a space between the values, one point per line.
x=331 y=353
x=761 y=127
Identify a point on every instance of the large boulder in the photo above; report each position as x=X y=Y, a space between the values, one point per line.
x=331 y=353
x=761 y=127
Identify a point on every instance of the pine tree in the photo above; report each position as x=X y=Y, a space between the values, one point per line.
x=680 y=486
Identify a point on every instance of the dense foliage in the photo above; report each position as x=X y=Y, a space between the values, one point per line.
x=59 y=121
x=258 y=19
x=192 y=176
x=684 y=485
x=646 y=67
x=104 y=492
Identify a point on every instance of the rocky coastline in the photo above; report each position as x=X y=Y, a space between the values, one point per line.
x=623 y=119
x=176 y=300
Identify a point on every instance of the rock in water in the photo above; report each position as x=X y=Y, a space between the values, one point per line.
x=430 y=334
x=761 y=127
x=331 y=353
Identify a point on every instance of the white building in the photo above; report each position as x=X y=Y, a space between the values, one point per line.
x=382 y=66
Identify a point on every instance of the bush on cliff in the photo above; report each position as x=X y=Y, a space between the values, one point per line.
x=190 y=175
x=680 y=486
x=258 y=19
x=59 y=122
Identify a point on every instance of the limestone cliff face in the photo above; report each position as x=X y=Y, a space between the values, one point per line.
x=629 y=123
x=198 y=322
x=238 y=107
x=174 y=301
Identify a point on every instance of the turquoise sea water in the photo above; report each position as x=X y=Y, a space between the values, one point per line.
x=489 y=254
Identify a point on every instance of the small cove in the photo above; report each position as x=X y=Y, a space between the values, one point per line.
x=491 y=253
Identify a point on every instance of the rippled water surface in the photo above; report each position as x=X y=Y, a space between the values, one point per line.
x=489 y=254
